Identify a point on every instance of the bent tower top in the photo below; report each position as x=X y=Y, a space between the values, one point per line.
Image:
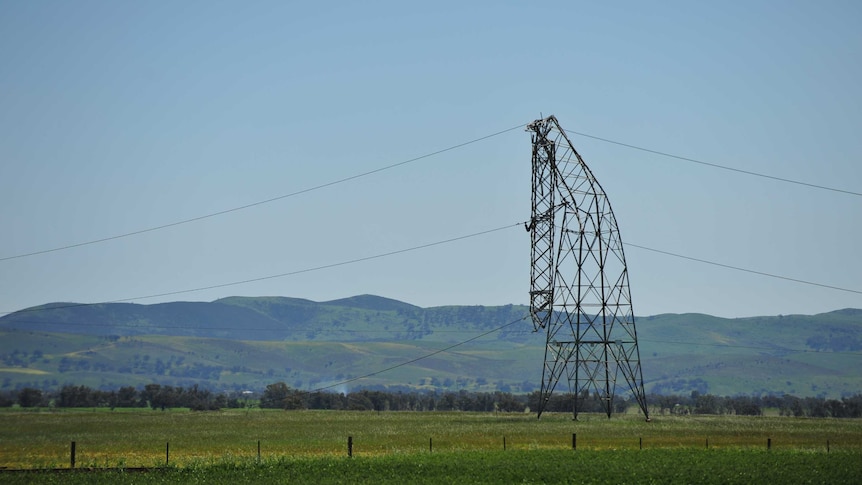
x=579 y=285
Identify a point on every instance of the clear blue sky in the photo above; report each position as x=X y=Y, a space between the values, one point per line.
x=120 y=116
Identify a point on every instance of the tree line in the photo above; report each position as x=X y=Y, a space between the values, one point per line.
x=786 y=404
x=280 y=396
x=153 y=396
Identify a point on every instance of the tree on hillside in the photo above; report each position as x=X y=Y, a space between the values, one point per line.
x=75 y=397
x=127 y=397
x=280 y=396
x=202 y=400
x=745 y=405
x=162 y=397
x=507 y=403
x=29 y=397
x=705 y=403
x=358 y=401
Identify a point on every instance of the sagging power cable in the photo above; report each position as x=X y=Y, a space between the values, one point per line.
x=280 y=275
x=715 y=165
x=261 y=202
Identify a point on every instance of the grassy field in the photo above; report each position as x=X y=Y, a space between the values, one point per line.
x=222 y=447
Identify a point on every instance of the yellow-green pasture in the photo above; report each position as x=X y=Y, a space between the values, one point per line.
x=139 y=438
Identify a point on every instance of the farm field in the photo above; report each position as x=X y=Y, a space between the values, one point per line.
x=399 y=447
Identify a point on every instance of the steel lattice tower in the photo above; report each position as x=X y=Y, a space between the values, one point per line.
x=579 y=292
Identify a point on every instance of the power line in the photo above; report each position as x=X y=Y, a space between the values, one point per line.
x=280 y=275
x=261 y=202
x=715 y=165
x=754 y=347
x=415 y=248
x=371 y=374
x=417 y=359
x=737 y=268
x=370 y=172
x=420 y=358
x=494 y=330
x=389 y=332
x=335 y=331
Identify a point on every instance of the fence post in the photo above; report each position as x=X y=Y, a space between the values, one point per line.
x=574 y=441
x=72 y=456
x=258 y=450
x=430 y=445
x=768 y=443
x=827 y=446
x=350 y=446
x=707 y=443
x=167 y=452
x=504 y=443
x=640 y=443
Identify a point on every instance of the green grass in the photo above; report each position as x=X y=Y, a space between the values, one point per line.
x=311 y=447
x=515 y=466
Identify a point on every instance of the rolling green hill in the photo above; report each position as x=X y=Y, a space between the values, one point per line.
x=247 y=343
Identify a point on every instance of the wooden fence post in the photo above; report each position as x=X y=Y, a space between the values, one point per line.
x=258 y=451
x=768 y=443
x=430 y=445
x=640 y=443
x=350 y=446
x=504 y=443
x=574 y=441
x=167 y=452
x=72 y=456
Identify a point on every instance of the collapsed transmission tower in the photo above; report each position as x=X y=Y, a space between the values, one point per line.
x=579 y=292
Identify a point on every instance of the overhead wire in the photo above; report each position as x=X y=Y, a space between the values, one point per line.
x=715 y=165
x=417 y=359
x=280 y=275
x=510 y=323
x=258 y=203
x=431 y=354
x=321 y=186
x=436 y=352
x=405 y=162
x=737 y=268
x=497 y=329
x=753 y=347
x=336 y=331
x=410 y=249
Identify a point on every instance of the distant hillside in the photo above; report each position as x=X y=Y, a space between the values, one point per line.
x=360 y=318
x=371 y=302
x=242 y=342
